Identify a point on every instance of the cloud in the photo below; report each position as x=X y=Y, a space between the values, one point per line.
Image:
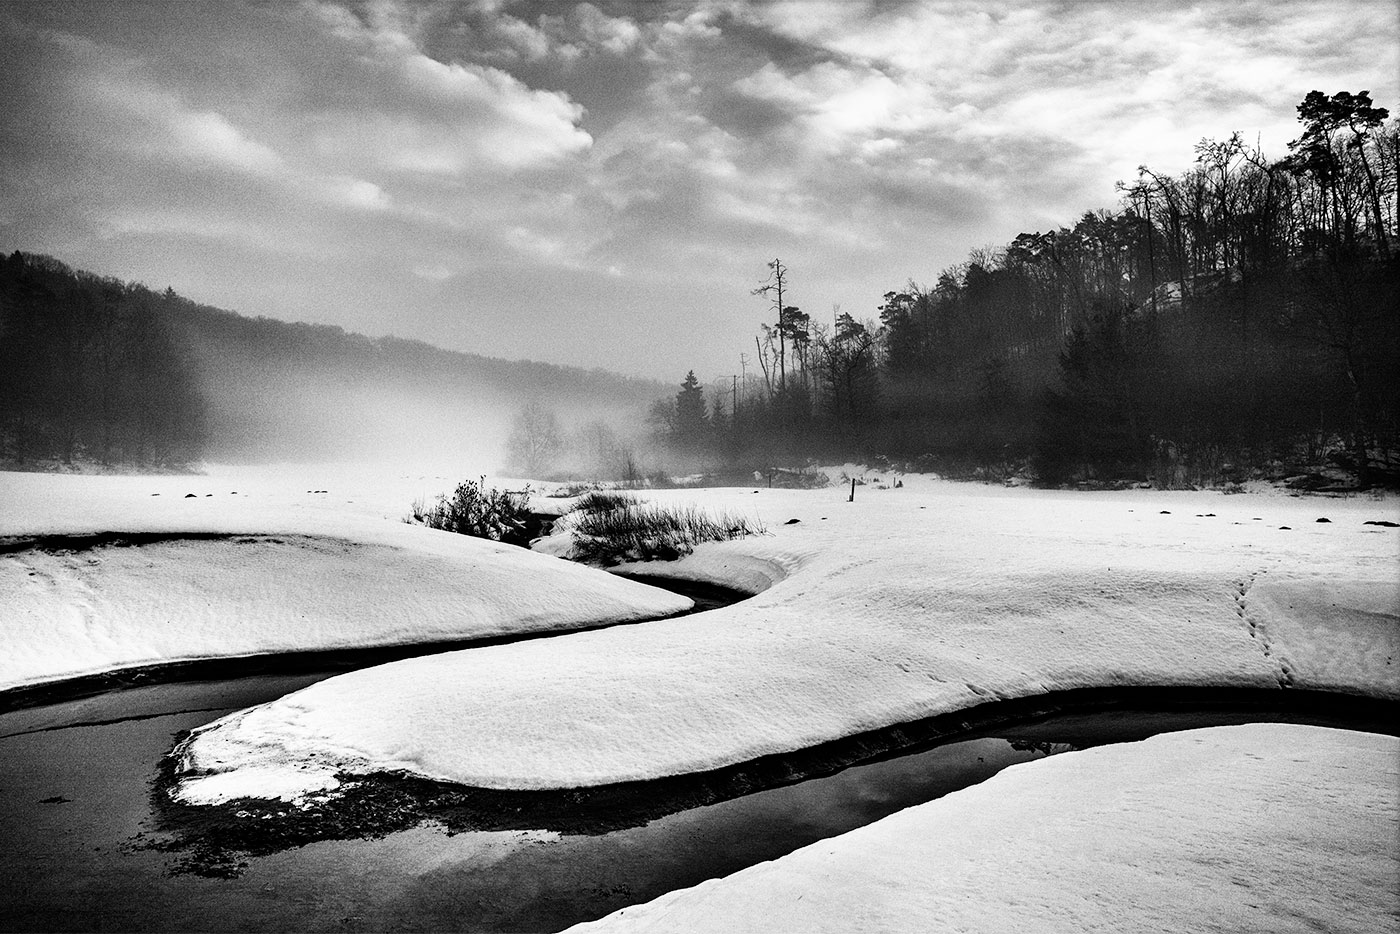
x=352 y=192
x=614 y=34
x=473 y=172
x=209 y=137
x=437 y=272
x=1124 y=84
x=407 y=111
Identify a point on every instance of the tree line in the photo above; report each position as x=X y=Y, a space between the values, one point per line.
x=1235 y=319
x=91 y=369
x=1238 y=317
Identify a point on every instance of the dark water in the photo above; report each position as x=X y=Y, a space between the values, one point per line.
x=75 y=811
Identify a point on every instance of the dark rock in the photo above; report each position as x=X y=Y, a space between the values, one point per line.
x=190 y=496
x=792 y=522
x=1384 y=523
x=1324 y=519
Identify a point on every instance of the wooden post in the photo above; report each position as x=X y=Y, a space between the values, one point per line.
x=852 y=497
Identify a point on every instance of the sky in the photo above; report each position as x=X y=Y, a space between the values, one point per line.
x=603 y=184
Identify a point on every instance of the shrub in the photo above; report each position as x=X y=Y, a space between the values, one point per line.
x=786 y=478
x=600 y=501
x=576 y=488
x=480 y=511
x=609 y=528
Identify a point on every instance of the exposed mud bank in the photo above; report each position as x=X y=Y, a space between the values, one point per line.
x=73 y=544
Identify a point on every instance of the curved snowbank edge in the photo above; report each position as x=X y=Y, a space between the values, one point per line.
x=615 y=805
x=1261 y=827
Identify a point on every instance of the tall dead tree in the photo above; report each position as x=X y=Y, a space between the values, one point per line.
x=773 y=288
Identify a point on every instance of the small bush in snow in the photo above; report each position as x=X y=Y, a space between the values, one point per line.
x=610 y=528
x=600 y=501
x=785 y=478
x=480 y=511
x=576 y=488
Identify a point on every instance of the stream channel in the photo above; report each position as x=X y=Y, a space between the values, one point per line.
x=77 y=823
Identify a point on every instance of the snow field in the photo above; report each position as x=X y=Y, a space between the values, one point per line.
x=905 y=604
x=1262 y=827
x=297 y=572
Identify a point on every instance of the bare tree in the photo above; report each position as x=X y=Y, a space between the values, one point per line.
x=773 y=289
x=535 y=441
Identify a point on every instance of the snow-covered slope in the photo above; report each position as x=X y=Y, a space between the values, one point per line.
x=1265 y=827
x=290 y=571
x=904 y=604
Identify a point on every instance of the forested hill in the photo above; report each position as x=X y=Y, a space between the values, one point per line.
x=93 y=369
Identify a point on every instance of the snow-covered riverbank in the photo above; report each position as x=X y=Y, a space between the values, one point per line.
x=283 y=570
x=1264 y=827
x=905 y=604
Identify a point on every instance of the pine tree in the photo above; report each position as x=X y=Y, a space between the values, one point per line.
x=691 y=422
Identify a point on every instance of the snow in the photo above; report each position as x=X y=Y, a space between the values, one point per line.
x=907 y=603
x=904 y=604
x=1263 y=827
x=299 y=572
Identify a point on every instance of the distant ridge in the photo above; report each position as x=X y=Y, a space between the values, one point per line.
x=100 y=369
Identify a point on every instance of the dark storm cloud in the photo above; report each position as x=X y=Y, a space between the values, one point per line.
x=765 y=45
x=748 y=116
x=558 y=179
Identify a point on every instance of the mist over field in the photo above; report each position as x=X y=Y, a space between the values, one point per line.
x=309 y=414
x=104 y=373
x=452 y=411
